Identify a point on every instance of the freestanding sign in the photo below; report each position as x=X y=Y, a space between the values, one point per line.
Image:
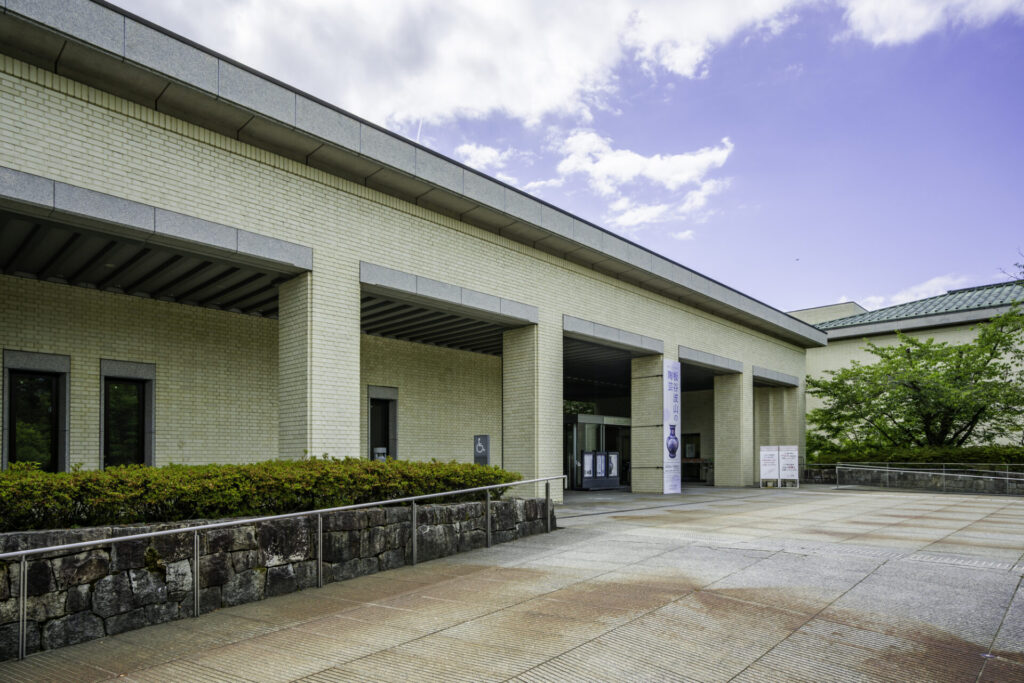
x=769 y=465
x=482 y=449
x=789 y=466
x=672 y=469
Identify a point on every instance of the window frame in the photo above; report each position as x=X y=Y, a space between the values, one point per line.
x=137 y=372
x=51 y=363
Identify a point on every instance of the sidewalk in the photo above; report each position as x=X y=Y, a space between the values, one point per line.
x=713 y=585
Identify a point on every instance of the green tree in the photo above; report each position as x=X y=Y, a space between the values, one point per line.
x=927 y=393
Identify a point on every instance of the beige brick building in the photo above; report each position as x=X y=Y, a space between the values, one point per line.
x=203 y=265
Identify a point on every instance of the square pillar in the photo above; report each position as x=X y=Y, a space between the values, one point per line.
x=646 y=418
x=779 y=419
x=294 y=340
x=734 y=429
x=531 y=407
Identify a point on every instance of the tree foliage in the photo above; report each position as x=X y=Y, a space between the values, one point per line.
x=927 y=393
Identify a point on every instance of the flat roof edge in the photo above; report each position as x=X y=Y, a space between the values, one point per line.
x=92 y=23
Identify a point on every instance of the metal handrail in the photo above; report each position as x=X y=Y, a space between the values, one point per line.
x=953 y=473
x=23 y=555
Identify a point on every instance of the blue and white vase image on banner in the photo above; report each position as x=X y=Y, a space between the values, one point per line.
x=672 y=443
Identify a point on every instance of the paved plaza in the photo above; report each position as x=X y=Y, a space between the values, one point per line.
x=712 y=585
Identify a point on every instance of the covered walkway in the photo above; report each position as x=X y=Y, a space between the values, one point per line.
x=713 y=585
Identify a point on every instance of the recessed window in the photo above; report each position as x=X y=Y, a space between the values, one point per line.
x=124 y=414
x=128 y=412
x=35 y=419
x=35 y=409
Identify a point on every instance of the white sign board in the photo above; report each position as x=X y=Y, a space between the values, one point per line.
x=673 y=480
x=769 y=464
x=789 y=463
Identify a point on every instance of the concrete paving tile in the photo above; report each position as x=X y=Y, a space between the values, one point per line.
x=906 y=596
x=823 y=650
x=184 y=672
x=592 y=662
x=377 y=635
x=247 y=659
x=485 y=634
x=597 y=615
x=1009 y=642
x=1001 y=671
x=53 y=665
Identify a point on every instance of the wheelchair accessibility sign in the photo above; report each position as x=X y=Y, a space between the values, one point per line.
x=482 y=449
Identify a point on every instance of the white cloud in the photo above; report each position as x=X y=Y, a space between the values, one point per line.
x=634 y=216
x=405 y=62
x=697 y=199
x=684 y=235
x=482 y=157
x=607 y=169
x=535 y=185
x=933 y=287
x=888 y=22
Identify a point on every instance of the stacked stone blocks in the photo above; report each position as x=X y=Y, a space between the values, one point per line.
x=109 y=589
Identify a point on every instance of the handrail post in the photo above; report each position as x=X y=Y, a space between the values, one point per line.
x=487 y=516
x=22 y=607
x=195 y=573
x=547 y=506
x=320 y=551
x=414 y=525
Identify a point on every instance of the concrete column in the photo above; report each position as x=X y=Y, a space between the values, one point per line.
x=734 y=429
x=646 y=417
x=294 y=340
x=531 y=409
x=778 y=420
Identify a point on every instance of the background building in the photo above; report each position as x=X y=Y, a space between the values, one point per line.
x=202 y=264
x=948 y=317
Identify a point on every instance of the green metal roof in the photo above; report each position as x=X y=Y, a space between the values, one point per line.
x=955 y=300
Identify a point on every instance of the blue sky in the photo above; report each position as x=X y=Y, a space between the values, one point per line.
x=804 y=152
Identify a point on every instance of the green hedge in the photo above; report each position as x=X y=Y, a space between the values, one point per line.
x=928 y=454
x=30 y=499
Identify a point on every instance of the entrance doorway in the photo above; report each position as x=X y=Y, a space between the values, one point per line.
x=382 y=430
x=596 y=451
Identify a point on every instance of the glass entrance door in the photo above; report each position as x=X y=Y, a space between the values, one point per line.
x=590 y=434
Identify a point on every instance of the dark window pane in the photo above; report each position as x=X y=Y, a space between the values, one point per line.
x=34 y=415
x=123 y=442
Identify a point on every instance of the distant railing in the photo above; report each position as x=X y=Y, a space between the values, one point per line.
x=826 y=473
x=23 y=555
x=936 y=477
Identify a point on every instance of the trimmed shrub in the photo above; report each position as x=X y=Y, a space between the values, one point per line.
x=30 y=499
x=927 y=454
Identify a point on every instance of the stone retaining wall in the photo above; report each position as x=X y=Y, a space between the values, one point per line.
x=114 y=588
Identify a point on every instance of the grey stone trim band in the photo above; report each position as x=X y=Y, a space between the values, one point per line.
x=186 y=80
x=49 y=198
x=921 y=323
x=775 y=377
x=388 y=393
x=446 y=297
x=719 y=364
x=39 y=362
x=127 y=369
x=585 y=330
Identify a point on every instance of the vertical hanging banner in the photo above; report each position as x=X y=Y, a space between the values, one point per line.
x=789 y=466
x=769 y=465
x=672 y=468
